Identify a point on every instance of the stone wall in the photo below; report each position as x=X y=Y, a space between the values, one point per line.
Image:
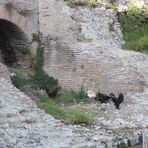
x=60 y=34
x=82 y=52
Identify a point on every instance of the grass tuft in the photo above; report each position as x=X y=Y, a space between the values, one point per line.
x=65 y=96
x=51 y=108
x=78 y=116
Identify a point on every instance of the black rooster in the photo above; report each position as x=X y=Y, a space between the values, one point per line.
x=103 y=98
x=117 y=101
x=52 y=92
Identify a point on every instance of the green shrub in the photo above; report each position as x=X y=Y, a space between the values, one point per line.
x=79 y=117
x=19 y=81
x=135 y=29
x=143 y=44
x=43 y=80
x=65 y=96
x=81 y=96
x=51 y=108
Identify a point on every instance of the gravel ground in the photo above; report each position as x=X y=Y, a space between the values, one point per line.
x=23 y=125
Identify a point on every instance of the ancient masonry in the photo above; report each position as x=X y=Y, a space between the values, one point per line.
x=80 y=49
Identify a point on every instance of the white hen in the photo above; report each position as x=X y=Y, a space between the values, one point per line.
x=91 y=94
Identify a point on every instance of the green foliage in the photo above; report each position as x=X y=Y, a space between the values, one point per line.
x=43 y=80
x=51 y=108
x=67 y=116
x=36 y=38
x=65 y=96
x=81 y=95
x=23 y=50
x=143 y=43
x=90 y=3
x=39 y=59
x=79 y=117
x=19 y=81
x=135 y=29
x=39 y=79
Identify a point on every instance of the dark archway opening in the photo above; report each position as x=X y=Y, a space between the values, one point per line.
x=14 y=44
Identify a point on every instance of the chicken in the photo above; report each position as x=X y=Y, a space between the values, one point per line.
x=103 y=98
x=117 y=101
x=53 y=92
x=91 y=94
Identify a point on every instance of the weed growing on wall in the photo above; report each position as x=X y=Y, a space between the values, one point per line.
x=23 y=50
x=42 y=79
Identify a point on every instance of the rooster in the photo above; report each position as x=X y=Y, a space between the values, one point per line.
x=117 y=101
x=103 y=98
x=53 y=92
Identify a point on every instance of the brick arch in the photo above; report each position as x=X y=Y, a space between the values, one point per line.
x=9 y=14
x=15 y=35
